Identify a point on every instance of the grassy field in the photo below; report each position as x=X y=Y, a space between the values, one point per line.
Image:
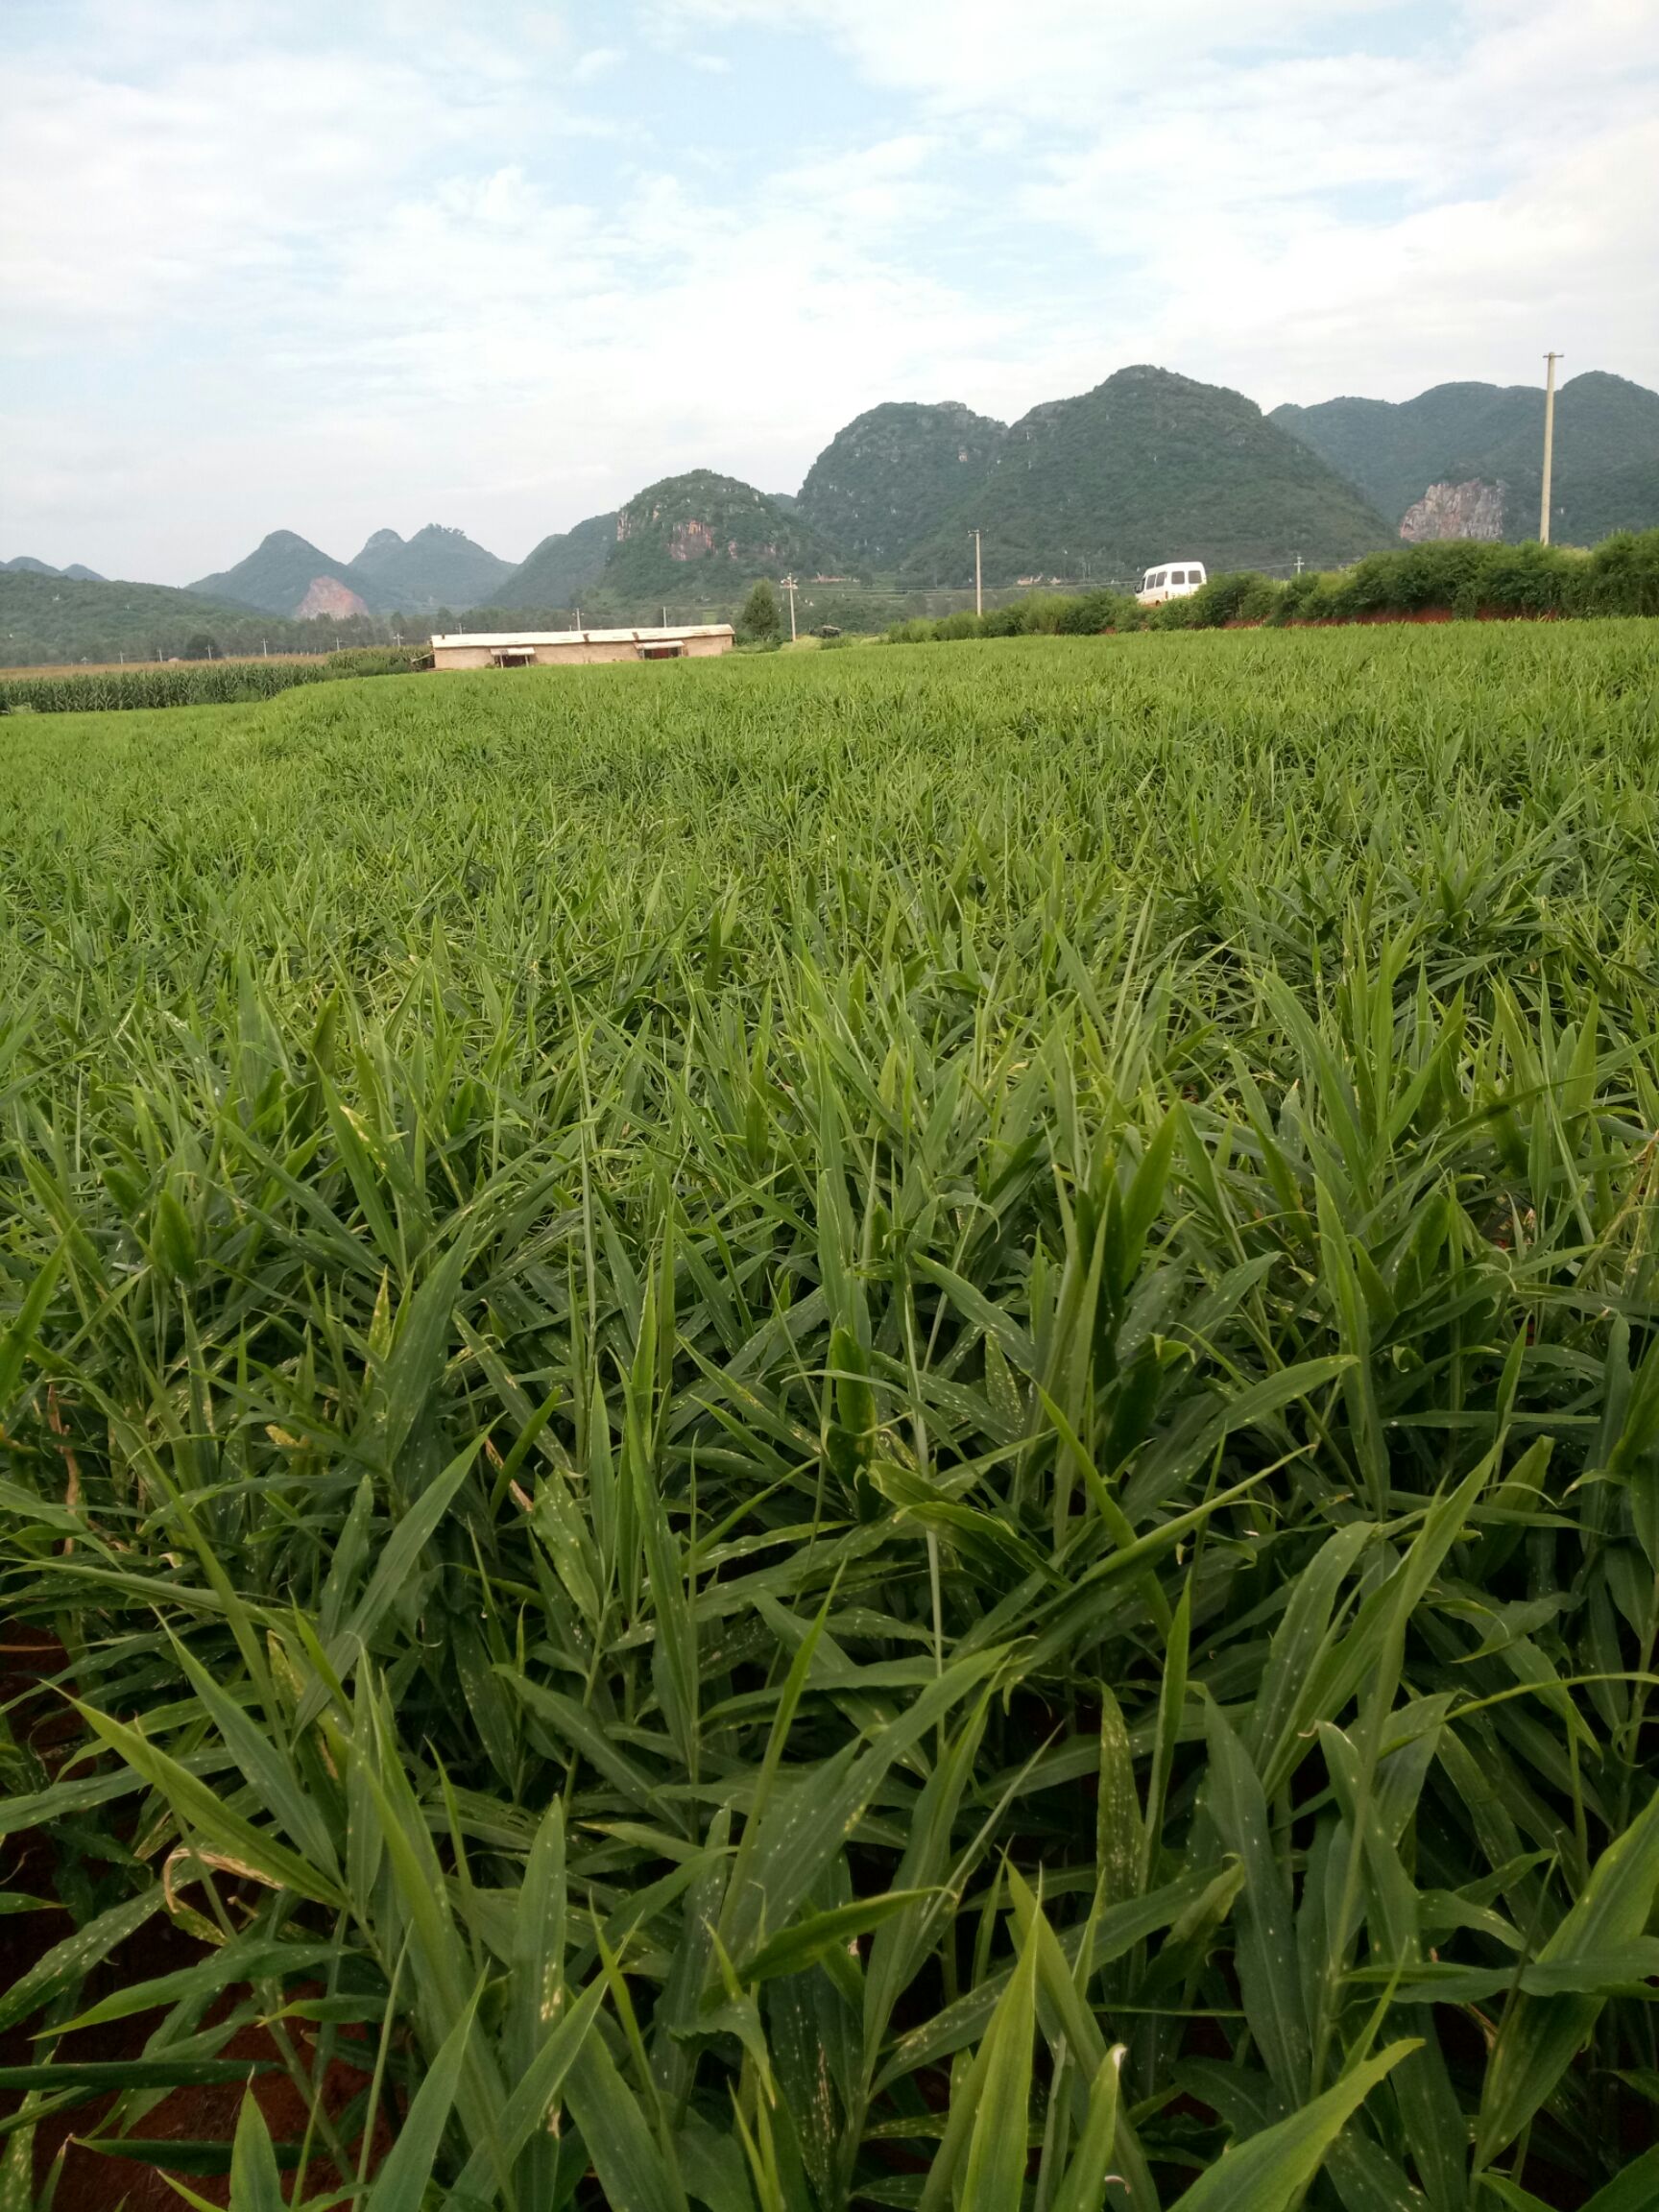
x=886 y=1421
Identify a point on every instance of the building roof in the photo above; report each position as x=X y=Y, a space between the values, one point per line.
x=505 y=637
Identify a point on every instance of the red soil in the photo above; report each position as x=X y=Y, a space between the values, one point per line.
x=91 y=2182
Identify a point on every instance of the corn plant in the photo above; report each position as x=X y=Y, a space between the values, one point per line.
x=190 y=683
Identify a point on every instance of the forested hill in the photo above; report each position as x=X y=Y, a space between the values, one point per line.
x=886 y=482
x=703 y=532
x=286 y=575
x=1149 y=466
x=1606 y=467
x=275 y=576
x=561 y=567
x=76 y=571
x=436 y=567
x=58 y=619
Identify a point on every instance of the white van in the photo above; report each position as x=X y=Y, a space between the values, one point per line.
x=1173 y=581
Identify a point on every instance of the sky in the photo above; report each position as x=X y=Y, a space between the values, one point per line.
x=378 y=263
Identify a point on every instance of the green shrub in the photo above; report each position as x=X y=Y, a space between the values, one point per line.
x=1467 y=578
x=1241 y=596
x=1622 y=575
x=1463 y=577
x=760 y=619
x=1041 y=614
x=1092 y=611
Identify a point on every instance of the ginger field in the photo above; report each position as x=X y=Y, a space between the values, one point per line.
x=870 y=1430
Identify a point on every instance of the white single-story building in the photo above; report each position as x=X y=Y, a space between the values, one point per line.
x=553 y=648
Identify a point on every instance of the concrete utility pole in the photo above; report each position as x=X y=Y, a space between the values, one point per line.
x=1548 y=445
x=788 y=583
x=978 y=589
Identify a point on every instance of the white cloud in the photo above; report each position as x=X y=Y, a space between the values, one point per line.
x=596 y=63
x=148 y=194
x=1055 y=61
x=395 y=265
x=512 y=361
x=1306 y=198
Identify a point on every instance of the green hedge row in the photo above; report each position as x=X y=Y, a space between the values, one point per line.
x=193 y=683
x=1460 y=577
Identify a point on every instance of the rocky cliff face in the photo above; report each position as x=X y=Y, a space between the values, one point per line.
x=690 y=538
x=1607 y=450
x=700 y=526
x=327 y=595
x=1472 y=510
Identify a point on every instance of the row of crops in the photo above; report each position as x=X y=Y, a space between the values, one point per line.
x=878 y=1432
x=194 y=683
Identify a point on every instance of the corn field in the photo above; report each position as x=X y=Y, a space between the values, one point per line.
x=878 y=1429
x=191 y=683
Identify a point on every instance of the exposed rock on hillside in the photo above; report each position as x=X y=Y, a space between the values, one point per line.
x=436 y=567
x=703 y=532
x=327 y=595
x=274 y=577
x=1472 y=510
x=686 y=538
x=1606 y=473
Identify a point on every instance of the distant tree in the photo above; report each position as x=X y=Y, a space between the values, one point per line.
x=760 y=618
x=201 y=647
